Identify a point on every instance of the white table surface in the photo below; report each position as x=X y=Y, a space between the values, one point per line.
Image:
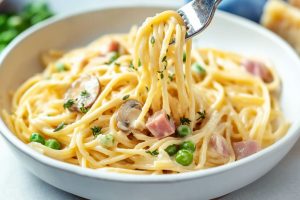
x=283 y=182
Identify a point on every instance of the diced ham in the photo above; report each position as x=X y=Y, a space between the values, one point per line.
x=160 y=125
x=220 y=145
x=110 y=46
x=245 y=148
x=258 y=69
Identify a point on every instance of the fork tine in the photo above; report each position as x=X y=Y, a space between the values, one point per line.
x=197 y=15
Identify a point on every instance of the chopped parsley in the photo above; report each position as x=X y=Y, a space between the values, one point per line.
x=59 y=127
x=184 y=57
x=202 y=115
x=164 y=61
x=161 y=73
x=152 y=40
x=69 y=104
x=147 y=88
x=85 y=94
x=83 y=109
x=171 y=77
x=117 y=64
x=96 y=130
x=198 y=68
x=60 y=67
x=140 y=63
x=131 y=66
x=172 y=41
x=153 y=153
x=114 y=57
x=126 y=97
x=185 y=121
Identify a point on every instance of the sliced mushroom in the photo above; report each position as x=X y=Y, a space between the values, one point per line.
x=127 y=114
x=83 y=93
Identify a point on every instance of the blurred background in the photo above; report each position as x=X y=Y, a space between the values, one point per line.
x=280 y=16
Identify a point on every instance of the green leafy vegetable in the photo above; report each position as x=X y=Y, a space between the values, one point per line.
x=152 y=40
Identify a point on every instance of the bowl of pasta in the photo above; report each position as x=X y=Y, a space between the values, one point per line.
x=127 y=108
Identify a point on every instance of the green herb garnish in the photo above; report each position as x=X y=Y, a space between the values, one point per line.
x=115 y=56
x=198 y=68
x=165 y=62
x=126 y=97
x=161 y=73
x=152 y=40
x=96 y=130
x=202 y=115
x=69 y=104
x=172 y=41
x=85 y=94
x=171 y=77
x=132 y=66
x=153 y=153
x=184 y=57
x=60 y=67
x=185 y=121
x=59 y=127
x=83 y=109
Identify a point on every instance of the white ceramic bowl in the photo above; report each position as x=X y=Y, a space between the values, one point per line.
x=21 y=60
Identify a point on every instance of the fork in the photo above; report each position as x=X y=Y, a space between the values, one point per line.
x=197 y=15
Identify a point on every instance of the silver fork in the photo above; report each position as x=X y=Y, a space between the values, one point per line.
x=197 y=15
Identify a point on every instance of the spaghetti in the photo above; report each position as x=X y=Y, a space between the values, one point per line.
x=116 y=103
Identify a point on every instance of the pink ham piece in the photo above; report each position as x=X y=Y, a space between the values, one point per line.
x=220 y=145
x=245 y=148
x=159 y=125
x=258 y=69
x=110 y=46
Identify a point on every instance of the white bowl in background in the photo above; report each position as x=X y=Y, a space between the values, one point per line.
x=21 y=60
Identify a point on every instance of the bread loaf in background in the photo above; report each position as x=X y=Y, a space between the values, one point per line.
x=283 y=19
x=295 y=3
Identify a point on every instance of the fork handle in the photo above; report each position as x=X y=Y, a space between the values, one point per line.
x=217 y=2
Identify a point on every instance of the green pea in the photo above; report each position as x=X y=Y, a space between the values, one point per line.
x=107 y=140
x=183 y=130
x=7 y=36
x=53 y=144
x=196 y=67
x=172 y=149
x=188 y=145
x=184 y=157
x=35 y=137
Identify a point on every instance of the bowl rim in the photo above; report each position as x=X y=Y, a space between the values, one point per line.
x=11 y=138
